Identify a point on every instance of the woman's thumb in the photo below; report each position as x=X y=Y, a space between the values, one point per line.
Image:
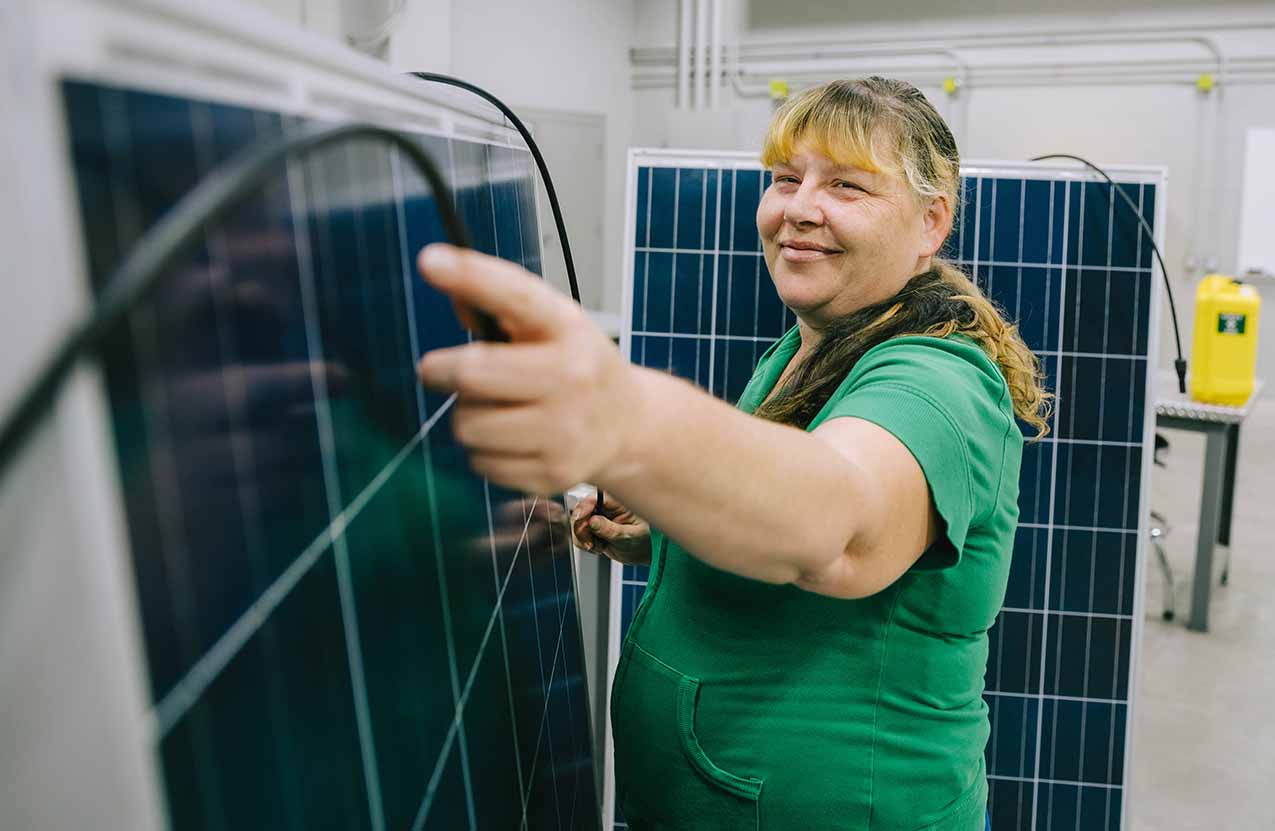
x=605 y=528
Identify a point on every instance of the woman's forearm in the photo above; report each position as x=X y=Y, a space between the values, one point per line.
x=749 y=496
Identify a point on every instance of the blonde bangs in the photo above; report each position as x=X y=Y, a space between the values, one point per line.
x=833 y=128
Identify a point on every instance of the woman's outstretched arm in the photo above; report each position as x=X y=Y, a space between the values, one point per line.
x=842 y=511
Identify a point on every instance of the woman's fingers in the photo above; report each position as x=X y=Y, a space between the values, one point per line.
x=491 y=371
x=606 y=529
x=524 y=305
x=510 y=430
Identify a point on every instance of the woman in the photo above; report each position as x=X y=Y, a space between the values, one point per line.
x=811 y=648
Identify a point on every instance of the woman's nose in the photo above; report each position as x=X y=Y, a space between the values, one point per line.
x=802 y=208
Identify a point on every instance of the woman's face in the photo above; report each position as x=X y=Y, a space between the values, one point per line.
x=838 y=238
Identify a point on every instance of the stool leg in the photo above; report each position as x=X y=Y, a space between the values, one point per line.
x=1170 y=596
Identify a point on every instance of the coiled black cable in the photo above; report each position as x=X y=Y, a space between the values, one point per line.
x=215 y=196
x=1179 y=365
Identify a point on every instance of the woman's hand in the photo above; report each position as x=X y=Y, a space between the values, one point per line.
x=616 y=532
x=554 y=406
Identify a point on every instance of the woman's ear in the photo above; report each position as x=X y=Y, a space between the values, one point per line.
x=936 y=224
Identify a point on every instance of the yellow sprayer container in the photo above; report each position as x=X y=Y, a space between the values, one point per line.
x=1224 y=350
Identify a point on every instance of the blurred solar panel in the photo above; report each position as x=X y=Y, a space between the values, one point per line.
x=343 y=626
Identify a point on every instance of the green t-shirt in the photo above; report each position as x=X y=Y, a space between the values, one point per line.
x=739 y=704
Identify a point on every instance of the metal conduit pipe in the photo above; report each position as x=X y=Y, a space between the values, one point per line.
x=981 y=39
x=715 y=52
x=1083 y=81
x=683 y=80
x=701 y=53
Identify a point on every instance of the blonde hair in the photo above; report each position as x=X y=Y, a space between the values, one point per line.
x=884 y=125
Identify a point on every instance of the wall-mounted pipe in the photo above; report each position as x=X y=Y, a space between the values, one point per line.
x=715 y=46
x=684 y=54
x=701 y=53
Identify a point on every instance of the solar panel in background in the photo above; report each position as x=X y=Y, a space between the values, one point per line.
x=1074 y=269
x=343 y=626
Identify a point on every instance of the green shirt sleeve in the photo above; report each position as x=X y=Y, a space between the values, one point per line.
x=947 y=402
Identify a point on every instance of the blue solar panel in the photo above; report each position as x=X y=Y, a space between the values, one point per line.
x=343 y=626
x=1075 y=272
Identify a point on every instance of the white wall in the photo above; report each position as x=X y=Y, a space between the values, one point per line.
x=559 y=55
x=566 y=55
x=1108 y=122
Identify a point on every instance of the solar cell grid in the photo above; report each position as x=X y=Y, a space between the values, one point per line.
x=343 y=626
x=1074 y=270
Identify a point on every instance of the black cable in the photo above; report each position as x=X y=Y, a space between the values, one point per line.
x=215 y=196
x=1180 y=364
x=558 y=222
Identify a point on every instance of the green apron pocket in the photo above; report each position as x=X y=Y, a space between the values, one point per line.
x=969 y=812
x=664 y=779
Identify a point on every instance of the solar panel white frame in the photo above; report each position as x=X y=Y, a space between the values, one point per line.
x=1062 y=171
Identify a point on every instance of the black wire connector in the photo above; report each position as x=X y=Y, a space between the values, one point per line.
x=1179 y=365
x=216 y=195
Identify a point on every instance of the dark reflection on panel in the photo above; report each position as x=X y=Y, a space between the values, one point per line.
x=418 y=667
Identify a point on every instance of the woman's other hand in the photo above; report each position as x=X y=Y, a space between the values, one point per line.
x=614 y=532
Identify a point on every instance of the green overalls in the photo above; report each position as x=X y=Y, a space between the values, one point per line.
x=743 y=705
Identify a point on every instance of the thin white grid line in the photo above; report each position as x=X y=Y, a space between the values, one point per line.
x=1078 y=528
x=971 y=263
x=991 y=234
x=341 y=554
x=672 y=265
x=436 y=776
x=174 y=705
x=1109 y=356
x=1053 y=752
x=544 y=726
x=431 y=497
x=1043 y=781
x=1053 y=487
x=504 y=644
x=1066 y=613
x=553 y=668
x=1093 y=546
x=730 y=276
x=1115 y=673
x=699 y=297
x=646 y=258
x=689 y=336
x=988 y=291
x=243 y=454
x=166 y=484
x=768 y=339
x=717 y=236
x=1053 y=697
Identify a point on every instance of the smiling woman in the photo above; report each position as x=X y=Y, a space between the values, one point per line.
x=830 y=554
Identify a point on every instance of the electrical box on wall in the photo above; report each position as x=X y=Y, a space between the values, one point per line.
x=1257 y=213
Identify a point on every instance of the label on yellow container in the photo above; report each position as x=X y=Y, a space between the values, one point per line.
x=1231 y=324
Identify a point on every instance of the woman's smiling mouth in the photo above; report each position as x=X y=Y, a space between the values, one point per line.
x=801 y=251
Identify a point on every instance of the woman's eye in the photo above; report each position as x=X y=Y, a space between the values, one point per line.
x=848 y=186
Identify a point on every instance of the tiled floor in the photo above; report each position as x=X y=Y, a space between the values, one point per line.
x=1204 y=740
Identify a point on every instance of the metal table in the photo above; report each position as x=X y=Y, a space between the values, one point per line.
x=1221 y=427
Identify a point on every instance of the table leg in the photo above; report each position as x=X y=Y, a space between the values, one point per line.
x=1228 y=496
x=1210 y=514
x=1228 y=485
